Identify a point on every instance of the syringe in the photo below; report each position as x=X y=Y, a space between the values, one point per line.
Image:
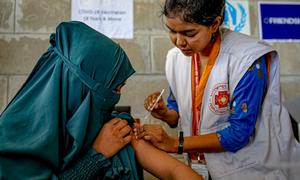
x=152 y=107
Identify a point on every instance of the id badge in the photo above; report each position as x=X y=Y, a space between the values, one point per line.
x=201 y=169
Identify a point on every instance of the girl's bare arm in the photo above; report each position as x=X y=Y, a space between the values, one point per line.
x=161 y=164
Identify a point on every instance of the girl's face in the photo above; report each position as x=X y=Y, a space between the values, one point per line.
x=189 y=37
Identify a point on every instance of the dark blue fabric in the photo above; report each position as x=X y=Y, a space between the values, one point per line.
x=245 y=106
x=172 y=104
x=171 y=101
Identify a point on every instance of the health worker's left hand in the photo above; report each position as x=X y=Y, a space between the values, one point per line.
x=158 y=137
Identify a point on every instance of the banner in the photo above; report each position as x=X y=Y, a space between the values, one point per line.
x=114 y=18
x=279 y=21
x=237 y=16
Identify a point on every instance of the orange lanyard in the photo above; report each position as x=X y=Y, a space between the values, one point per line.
x=199 y=83
x=195 y=86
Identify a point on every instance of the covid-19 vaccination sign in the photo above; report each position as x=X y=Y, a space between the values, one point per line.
x=279 y=21
x=114 y=18
x=237 y=16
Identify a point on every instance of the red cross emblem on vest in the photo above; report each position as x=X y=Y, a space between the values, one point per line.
x=222 y=99
x=219 y=99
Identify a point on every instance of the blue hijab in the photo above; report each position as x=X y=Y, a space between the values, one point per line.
x=62 y=106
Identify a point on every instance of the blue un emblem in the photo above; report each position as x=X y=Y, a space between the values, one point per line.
x=237 y=16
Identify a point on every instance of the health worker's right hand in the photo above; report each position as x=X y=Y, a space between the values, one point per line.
x=158 y=110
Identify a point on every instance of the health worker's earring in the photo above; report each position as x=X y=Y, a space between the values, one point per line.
x=213 y=37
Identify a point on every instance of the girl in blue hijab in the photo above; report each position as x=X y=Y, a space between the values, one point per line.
x=60 y=125
x=48 y=130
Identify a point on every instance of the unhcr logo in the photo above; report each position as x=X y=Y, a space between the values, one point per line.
x=236 y=16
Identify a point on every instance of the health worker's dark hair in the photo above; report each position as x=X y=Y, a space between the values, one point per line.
x=201 y=12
